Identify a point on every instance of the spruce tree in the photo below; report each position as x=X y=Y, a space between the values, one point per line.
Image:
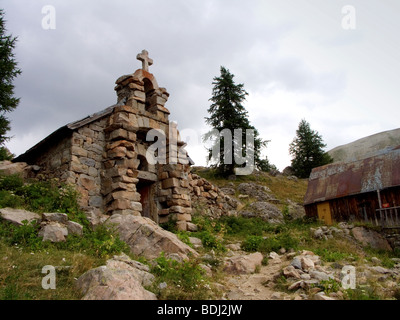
x=8 y=71
x=227 y=112
x=307 y=151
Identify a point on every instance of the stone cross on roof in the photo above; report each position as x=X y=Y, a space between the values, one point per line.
x=146 y=61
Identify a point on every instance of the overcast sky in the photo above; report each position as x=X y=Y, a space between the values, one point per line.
x=297 y=59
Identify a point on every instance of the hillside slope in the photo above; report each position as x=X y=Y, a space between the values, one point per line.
x=366 y=147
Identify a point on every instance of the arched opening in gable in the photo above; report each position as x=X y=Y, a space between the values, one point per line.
x=151 y=95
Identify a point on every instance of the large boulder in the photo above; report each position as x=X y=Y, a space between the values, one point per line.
x=120 y=279
x=254 y=190
x=9 y=168
x=148 y=239
x=20 y=168
x=295 y=210
x=54 y=232
x=243 y=264
x=264 y=210
x=16 y=216
x=55 y=227
x=371 y=238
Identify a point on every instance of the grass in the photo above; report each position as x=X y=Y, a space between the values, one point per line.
x=185 y=281
x=24 y=254
x=21 y=273
x=281 y=187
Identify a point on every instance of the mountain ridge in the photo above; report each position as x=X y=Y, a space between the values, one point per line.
x=369 y=146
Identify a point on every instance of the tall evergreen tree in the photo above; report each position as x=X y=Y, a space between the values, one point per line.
x=307 y=151
x=8 y=71
x=227 y=112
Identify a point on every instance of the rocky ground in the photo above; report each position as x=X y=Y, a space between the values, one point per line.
x=303 y=275
x=286 y=274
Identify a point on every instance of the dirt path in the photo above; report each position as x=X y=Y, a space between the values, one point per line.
x=259 y=285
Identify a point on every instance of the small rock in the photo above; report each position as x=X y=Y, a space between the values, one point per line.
x=380 y=269
x=54 y=232
x=191 y=227
x=162 y=285
x=282 y=251
x=305 y=276
x=296 y=262
x=375 y=260
x=295 y=285
x=318 y=234
x=276 y=296
x=371 y=238
x=322 y=296
x=207 y=269
x=16 y=216
x=55 y=217
x=307 y=264
x=243 y=264
x=233 y=246
x=230 y=253
x=336 y=230
x=273 y=255
x=74 y=228
x=321 y=276
x=291 y=272
x=196 y=242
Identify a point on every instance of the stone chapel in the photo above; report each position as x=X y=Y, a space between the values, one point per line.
x=105 y=155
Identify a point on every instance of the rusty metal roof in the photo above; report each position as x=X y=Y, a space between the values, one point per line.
x=345 y=179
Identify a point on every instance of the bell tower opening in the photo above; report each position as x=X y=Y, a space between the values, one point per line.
x=151 y=95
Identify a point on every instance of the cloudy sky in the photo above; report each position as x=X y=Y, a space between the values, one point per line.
x=334 y=63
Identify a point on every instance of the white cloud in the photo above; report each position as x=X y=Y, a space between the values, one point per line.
x=294 y=58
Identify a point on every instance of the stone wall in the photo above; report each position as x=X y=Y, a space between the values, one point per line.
x=55 y=161
x=209 y=199
x=86 y=163
x=105 y=156
x=126 y=166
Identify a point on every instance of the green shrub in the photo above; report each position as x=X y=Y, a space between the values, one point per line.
x=240 y=226
x=184 y=237
x=331 y=255
x=268 y=244
x=252 y=243
x=51 y=196
x=210 y=241
x=101 y=242
x=10 y=200
x=184 y=280
x=364 y=293
x=5 y=154
x=11 y=182
x=25 y=235
x=284 y=240
x=329 y=286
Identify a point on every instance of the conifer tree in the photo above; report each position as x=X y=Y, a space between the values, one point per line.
x=8 y=71
x=307 y=151
x=227 y=112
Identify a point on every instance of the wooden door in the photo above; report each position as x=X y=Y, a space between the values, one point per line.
x=324 y=213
